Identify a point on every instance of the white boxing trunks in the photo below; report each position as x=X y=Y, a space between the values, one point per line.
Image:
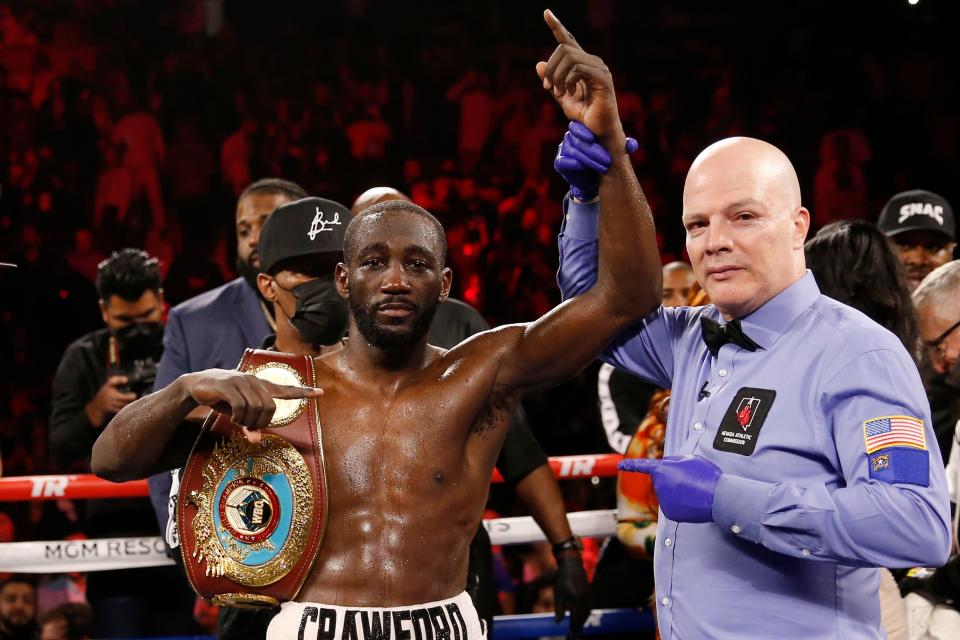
x=451 y=619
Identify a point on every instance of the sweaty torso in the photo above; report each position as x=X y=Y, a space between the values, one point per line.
x=408 y=470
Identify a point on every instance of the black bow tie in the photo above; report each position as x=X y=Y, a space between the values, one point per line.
x=715 y=335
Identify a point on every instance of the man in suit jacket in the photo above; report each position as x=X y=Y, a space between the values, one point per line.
x=213 y=329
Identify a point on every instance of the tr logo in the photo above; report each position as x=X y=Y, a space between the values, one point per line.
x=576 y=467
x=49 y=486
x=319 y=224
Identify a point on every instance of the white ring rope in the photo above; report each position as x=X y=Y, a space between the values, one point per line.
x=102 y=554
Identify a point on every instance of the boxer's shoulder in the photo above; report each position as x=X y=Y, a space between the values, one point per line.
x=488 y=346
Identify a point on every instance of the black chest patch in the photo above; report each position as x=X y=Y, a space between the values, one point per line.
x=743 y=420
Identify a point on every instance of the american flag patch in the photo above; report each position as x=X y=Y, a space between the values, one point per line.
x=894 y=431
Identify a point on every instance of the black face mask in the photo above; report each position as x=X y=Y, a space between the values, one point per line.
x=321 y=314
x=140 y=340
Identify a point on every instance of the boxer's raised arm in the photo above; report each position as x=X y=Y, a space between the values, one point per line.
x=569 y=337
x=149 y=435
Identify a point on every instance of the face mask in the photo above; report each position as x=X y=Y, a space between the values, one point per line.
x=140 y=340
x=321 y=314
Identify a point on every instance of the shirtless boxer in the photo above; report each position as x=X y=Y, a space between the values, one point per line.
x=411 y=432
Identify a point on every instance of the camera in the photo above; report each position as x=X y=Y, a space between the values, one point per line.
x=134 y=352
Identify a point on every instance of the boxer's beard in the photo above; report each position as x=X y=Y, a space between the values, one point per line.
x=383 y=338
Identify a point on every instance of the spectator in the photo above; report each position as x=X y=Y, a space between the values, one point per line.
x=114 y=197
x=368 y=134
x=191 y=168
x=854 y=263
x=840 y=186
x=538 y=144
x=236 y=153
x=18 y=609
x=540 y=594
x=472 y=93
x=85 y=257
x=144 y=154
x=938 y=307
x=69 y=621
x=678 y=282
x=922 y=226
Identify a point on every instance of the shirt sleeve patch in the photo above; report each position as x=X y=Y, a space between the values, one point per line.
x=894 y=431
x=906 y=465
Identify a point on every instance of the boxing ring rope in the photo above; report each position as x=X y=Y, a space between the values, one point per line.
x=82 y=487
x=102 y=554
x=60 y=556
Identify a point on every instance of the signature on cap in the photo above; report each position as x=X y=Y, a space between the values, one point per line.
x=319 y=224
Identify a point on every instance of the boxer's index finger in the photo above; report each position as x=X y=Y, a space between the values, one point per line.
x=291 y=392
x=560 y=32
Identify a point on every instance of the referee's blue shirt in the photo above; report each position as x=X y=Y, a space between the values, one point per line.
x=811 y=499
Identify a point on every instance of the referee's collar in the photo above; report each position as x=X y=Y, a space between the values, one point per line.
x=765 y=325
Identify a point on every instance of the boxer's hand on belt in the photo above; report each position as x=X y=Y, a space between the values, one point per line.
x=685 y=485
x=581 y=159
x=583 y=87
x=247 y=399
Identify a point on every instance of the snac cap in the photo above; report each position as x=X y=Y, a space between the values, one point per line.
x=918 y=210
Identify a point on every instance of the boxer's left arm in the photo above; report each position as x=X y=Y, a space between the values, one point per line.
x=569 y=337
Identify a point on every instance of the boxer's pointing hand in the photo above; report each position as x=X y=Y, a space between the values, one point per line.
x=582 y=85
x=247 y=399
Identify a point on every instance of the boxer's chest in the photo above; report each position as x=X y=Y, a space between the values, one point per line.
x=407 y=440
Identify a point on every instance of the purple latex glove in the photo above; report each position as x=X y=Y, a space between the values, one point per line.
x=685 y=485
x=581 y=160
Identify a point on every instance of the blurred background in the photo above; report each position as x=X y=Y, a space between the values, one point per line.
x=137 y=123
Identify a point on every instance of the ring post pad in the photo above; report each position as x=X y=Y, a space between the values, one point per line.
x=252 y=516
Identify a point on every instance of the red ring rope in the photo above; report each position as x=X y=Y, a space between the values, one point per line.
x=32 y=488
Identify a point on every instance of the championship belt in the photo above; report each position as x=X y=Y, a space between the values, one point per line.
x=252 y=516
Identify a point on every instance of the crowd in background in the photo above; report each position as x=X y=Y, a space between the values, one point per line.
x=138 y=124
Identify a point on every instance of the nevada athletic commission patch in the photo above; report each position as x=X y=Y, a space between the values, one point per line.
x=743 y=420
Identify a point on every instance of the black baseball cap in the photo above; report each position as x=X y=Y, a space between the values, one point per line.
x=918 y=210
x=305 y=227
